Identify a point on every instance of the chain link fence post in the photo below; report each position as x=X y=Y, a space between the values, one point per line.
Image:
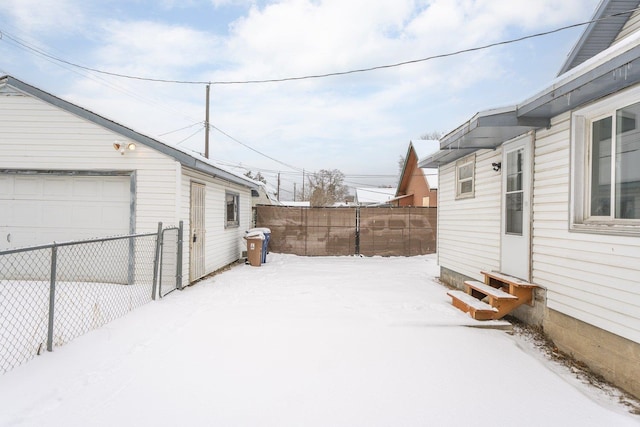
x=52 y=296
x=357 y=210
x=179 y=257
x=156 y=262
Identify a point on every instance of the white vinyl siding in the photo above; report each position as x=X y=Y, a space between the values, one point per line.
x=223 y=245
x=591 y=277
x=469 y=229
x=38 y=136
x=631 y=26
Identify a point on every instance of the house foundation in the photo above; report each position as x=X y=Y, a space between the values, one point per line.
x=615 y=358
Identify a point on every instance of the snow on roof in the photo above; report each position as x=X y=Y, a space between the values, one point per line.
x=425 y=147
x=432 y=178
x=296 y=204
x=374 y=195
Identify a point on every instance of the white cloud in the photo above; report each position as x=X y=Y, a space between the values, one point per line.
x=358 y=123
x=152 y=48
x=44 y=16
x=299 y=36
x=220 y=3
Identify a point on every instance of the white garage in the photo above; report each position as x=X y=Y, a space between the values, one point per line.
x=39 y=208
x=67 y=173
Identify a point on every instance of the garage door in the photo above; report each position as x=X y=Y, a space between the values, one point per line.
x=42 y=208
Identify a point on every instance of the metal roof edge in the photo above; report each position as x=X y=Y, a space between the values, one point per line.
x=482 y=116
x=498 y=117
x=444 y=157
x=180 y=156
x=205 y=167
x=566 y=66
x=565 y=86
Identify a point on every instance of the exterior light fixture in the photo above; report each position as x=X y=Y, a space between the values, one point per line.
x=496 y=166
x=122 y=147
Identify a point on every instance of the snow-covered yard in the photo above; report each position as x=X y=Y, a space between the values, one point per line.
x=344 y=341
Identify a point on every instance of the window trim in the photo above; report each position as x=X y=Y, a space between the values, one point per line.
x=235 y=222
x=580 y=172
x=470 y=159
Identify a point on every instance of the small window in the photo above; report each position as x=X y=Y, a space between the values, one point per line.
x=232 y=216
x=465 y=171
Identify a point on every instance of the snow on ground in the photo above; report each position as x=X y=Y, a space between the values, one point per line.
x=345 y=341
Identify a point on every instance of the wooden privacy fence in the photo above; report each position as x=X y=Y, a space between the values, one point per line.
x=385 y=231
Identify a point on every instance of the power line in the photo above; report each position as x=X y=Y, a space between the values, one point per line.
x=253 y=149
x=190 y=136
x=178 y=130
x=34 y=49
x=317 y=76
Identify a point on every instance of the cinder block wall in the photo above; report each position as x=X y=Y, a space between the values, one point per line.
x=617 y=359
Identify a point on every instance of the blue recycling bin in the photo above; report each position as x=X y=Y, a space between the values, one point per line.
x=265 y=243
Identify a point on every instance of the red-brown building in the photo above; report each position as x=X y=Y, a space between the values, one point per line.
x=417 y=186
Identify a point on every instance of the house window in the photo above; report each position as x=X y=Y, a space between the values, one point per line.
x=514 y=194
x=465 y=171
x=232 y=216
x=606 y=143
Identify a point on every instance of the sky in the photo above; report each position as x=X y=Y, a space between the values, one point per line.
x=359 y=123
x=305 y=341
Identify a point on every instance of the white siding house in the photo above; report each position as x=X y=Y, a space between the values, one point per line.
x=63 y=178
x=552 y=196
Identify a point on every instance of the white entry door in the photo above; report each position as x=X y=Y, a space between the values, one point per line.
x=196 y=238
x=516 y=208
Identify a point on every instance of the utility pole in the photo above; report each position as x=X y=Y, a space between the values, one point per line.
x=206 y=125
x=278 y=186
x=294 y=191
x=303 y=185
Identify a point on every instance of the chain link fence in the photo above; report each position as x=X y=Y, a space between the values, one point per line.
x=51 y=294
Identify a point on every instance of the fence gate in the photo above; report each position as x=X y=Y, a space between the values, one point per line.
x=170 y=263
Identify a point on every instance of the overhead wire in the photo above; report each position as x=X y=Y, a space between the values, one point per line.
x=24 y=45
x=253 y=149
x=181 y=129
x=38 y=51
x=322 y=75
x=190 y=136
x=34 y=49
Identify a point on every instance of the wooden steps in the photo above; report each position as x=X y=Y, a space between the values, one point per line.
x=476 y=308
x=499 y=295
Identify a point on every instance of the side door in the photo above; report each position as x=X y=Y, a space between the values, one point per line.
x=516 y=208
x=197 y=232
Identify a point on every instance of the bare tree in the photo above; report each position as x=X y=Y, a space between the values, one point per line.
x=433 y=135
x=257 y=177
x=401 y=161
x=326 y=187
